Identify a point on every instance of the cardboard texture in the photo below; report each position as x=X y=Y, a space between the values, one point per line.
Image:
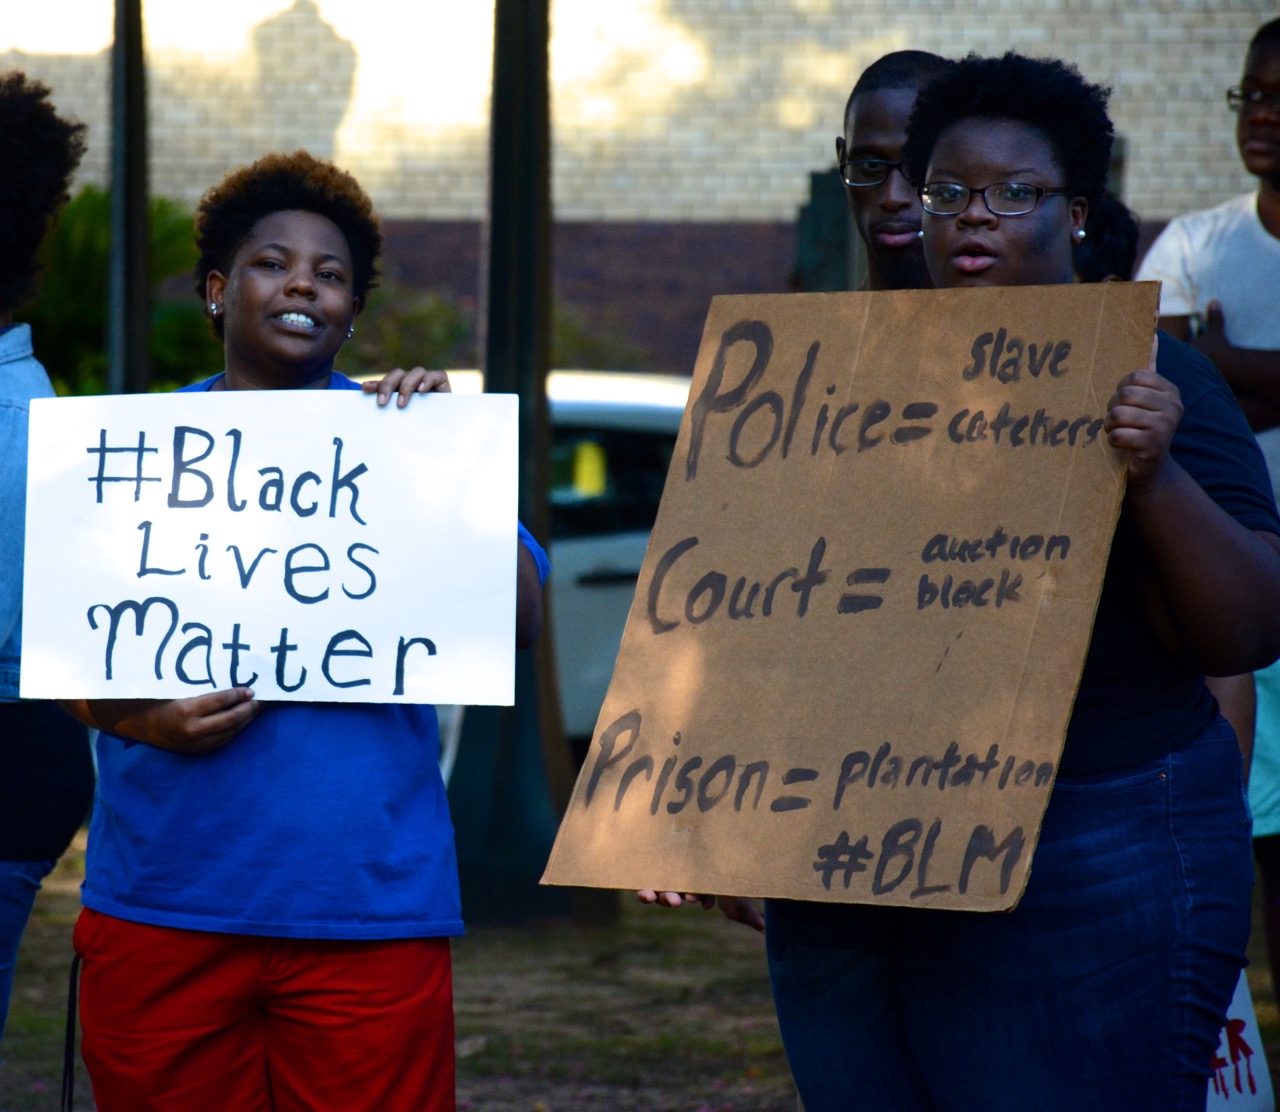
x=863 y=613
x=305 y=543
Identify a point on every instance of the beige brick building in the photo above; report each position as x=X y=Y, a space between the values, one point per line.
x=685 y=130
x=664 y=109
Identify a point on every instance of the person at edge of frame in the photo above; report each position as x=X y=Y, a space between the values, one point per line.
x=46 y=769
x=1219 y=270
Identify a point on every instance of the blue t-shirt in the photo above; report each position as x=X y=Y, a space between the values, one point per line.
x=320 y=820
x=1136 y=700
x=21 y=379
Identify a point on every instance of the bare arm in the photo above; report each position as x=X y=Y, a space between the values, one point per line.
x=1252 y=373
x=1238 y=700
x=1219 y=582
x=197 y=725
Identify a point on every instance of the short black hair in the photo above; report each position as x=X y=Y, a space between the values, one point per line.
x=1267 y=33
x=1044 y=93
x=299 y=181
x=1110 y=244
x=39 y=151
x=901 y=69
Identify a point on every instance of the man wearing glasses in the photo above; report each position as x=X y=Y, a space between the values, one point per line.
x=886 y=211
x=1220 y=270
x=884 y=204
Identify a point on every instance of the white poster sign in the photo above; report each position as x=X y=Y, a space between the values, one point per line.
x=1241 y=1081
x=305 y=543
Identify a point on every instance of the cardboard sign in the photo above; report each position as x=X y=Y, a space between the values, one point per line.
x=865 y=605
x=1241 y=1081
x=305 y=543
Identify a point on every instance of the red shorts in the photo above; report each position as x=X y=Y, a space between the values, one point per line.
x=189 y=1021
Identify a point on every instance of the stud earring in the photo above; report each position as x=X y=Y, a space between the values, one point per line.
x=351 y=331
x=920 y=234
x=213 y=308
x=1078 y=235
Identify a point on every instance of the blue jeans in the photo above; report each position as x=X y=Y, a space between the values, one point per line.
x=19 y=883
x=1104 y=989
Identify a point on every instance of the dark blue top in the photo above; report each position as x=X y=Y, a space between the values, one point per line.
x=1136 y=700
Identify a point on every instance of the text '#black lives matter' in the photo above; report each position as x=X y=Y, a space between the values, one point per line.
x=202 y=469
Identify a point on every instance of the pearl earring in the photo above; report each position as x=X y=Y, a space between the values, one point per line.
x=1078 y=235
x=920 y=234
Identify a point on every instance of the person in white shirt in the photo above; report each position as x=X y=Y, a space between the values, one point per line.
x=1220 y=267
x=1220 y=273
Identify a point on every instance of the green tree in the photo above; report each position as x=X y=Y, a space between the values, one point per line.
x=400 y=327
x=581 y=344
x=68 y=316
x=406 y=327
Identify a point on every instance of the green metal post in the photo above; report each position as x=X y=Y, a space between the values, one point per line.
x=512 y=759
x=128 y=359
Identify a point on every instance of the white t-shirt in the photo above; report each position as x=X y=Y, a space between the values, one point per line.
x=1221 y=254
x=1224 y=254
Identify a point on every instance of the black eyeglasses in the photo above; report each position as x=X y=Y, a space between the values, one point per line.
x=1004 y=198
x=1241 y=100
x=859 y=172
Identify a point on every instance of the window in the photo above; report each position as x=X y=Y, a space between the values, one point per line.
x=606 y=480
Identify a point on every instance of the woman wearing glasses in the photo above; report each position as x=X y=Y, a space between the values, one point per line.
x=1106 y=987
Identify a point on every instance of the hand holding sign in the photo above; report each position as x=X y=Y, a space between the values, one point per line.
x=854 y=645
x=404 y=384
x=199 y=724
x=1142 y=416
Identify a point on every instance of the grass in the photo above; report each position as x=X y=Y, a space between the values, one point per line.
x=668 y=1010
x=31 y=1073
x=664 y=1012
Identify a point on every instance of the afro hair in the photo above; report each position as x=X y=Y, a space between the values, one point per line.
x=299 y=181
x=39 y=152
x=1046 y=94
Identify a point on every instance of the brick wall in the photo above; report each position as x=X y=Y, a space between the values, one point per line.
x=652 y=282
x=686 y=131
x=697 y=110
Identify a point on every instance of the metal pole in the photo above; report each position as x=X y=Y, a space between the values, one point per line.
x=128 y=362
x=513 y=775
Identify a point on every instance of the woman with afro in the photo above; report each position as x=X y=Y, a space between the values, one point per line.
x=1106 y=987
x=271 y=888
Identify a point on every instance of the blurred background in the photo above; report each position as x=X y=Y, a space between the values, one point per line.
x=692 y=146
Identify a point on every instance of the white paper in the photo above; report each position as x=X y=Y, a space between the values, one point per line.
x=306 y=543
x=1241 y=1080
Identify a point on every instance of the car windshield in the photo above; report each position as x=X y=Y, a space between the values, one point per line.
x=606 y=480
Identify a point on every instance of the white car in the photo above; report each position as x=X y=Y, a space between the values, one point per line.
x=613 y=433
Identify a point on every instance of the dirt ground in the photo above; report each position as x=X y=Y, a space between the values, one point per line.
x=665 y=1012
